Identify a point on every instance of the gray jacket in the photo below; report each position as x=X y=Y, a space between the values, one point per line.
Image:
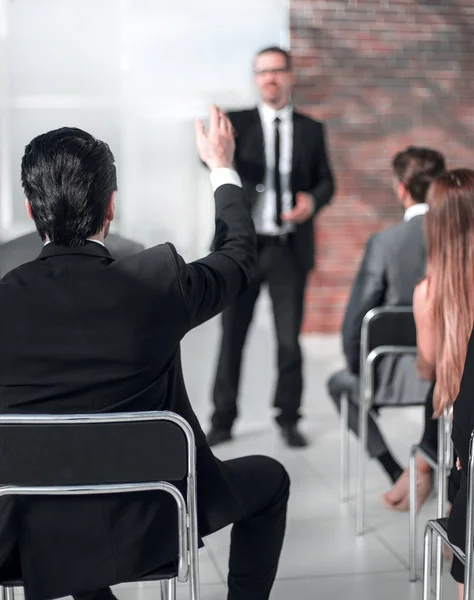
x=26 y=248
x=393 y=263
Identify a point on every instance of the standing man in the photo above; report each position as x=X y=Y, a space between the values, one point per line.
x=282 y=161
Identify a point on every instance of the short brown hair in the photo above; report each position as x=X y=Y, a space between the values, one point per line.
x=416 y=167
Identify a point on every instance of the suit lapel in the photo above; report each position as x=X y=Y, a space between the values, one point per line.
x=297 y=141
x=255 y=139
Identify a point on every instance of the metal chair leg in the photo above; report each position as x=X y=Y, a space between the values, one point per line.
x=439 y=569
x=469 y=562
x=413 y=515
x=9 y=593
x=427 y=564
x=442 y=475
x=363 y=432
x=168 y=589
x=172 y=589
x=344 y=447
x=164 y=589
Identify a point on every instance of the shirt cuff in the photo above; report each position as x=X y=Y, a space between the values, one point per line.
x=223 y=176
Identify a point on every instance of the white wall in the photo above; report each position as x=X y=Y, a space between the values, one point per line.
x=135 y=73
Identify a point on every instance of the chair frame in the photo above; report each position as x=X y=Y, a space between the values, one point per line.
x=367 y=363
x=434 y=528
x=188 y=561
x=441 y=467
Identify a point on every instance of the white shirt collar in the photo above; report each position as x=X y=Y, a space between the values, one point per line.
x=269 y=114
x=88 y=239
x=415 y=210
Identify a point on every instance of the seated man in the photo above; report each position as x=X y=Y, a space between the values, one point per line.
x=25 y=248
x=393 y=263
x=82 y=332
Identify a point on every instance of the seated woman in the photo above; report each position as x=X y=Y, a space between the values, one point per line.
x=446 y=240
x=443 y=304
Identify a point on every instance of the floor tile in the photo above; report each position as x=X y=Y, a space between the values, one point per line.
x=386 y=586
x=321 y=547
x=151 y=591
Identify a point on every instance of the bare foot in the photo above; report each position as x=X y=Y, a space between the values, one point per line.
x=399 y=491
x=398 y=498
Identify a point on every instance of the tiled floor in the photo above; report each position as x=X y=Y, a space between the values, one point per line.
x=322 y=556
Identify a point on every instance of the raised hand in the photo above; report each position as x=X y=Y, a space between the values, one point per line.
x=216 y=147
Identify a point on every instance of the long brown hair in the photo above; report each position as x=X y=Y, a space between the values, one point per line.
x=450 y=274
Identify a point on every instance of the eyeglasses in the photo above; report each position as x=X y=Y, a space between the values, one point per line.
x=271 y=71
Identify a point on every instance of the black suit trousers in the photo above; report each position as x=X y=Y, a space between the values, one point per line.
x=262 y=486
x=277 y=268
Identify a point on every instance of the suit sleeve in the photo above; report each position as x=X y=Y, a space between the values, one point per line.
x=212 y=283
x=367 y=292
x=325 y=187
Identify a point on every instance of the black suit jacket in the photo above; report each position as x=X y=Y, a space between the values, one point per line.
x=82 y=332
x=311 y=171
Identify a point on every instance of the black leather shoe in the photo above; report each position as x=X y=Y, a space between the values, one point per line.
x=292 y=437
x=218 y=435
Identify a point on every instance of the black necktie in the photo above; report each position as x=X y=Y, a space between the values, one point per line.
x=276 y=173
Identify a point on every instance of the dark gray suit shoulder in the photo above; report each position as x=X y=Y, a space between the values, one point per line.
x=119 y=247
x=398 y=233
x=18 y=251
x=26 y=248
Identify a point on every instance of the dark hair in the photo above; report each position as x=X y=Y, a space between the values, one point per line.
x=418 y=186
x=277 y=50
x=416 y=167
x=68 y=178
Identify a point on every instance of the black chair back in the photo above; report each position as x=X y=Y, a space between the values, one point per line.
x=389 y=326
x=81 y=450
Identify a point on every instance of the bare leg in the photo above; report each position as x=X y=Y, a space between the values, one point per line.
x=460 y=591
x=398 y=497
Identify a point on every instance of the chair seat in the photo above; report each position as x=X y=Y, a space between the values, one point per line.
x=12 y=583
x=443 y=523
x=430 y=451
x=168 y=571
x=440 y=528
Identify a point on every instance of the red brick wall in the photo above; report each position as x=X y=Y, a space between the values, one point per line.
x=382 y=74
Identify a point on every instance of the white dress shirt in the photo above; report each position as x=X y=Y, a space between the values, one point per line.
x=88 y=239
x=415 y=210
x=222 y=176
x=264 y=212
